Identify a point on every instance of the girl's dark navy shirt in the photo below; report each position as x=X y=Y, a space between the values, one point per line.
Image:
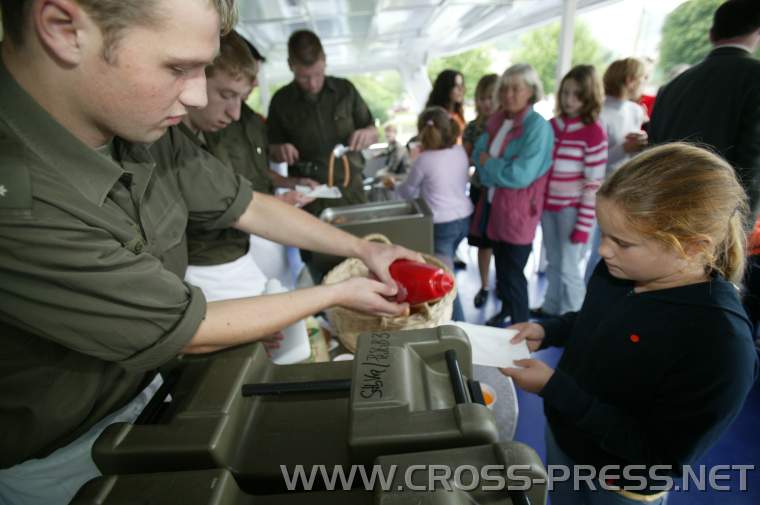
x=649 y=378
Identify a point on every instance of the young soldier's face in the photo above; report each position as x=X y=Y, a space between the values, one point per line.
x=156 y=73
x=225 y=97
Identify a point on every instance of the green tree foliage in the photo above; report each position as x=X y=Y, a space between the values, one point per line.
x=540 y=48
x=473 y=64
x=685 y=32
x=381 y=91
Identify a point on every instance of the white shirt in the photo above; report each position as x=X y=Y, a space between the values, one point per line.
x=493 y=151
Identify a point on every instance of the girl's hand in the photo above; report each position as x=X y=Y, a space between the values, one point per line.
x=532 y=332
x=415 y=148
x=484 y=157
x=389 y=182
x=578 y=237
x=635 y=142
x=532 y=377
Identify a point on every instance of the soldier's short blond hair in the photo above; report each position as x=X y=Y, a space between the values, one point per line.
x=111 y=16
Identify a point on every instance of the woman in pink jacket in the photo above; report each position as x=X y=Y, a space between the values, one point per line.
x=513 y=158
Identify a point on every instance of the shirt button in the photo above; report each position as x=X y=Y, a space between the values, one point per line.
x=258 y=150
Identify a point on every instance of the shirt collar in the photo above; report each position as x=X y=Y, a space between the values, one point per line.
x=737 y=46
x=189 y=133
x=329 y=85
x=91 y=173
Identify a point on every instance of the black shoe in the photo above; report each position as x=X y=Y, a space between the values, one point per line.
x=499 y=320
x=539 y=314
x=480 y=298
x=459 y=264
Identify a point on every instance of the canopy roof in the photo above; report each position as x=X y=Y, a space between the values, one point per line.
x=372 y=35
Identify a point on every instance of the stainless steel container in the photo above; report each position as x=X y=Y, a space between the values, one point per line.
x=405 y=222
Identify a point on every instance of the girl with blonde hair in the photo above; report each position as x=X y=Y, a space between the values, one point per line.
x=660 y=358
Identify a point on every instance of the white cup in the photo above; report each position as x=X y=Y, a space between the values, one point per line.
x=295 y=347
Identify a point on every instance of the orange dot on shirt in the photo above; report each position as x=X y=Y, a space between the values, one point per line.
x=635 y=338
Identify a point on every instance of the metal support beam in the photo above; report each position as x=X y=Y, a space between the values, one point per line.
x=565 y=57
x=416 y=83
x=264 y=95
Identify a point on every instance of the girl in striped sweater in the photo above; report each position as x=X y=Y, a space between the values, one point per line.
x=579 y=159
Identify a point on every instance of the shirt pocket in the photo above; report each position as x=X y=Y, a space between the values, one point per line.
x=164 y=215
x=343 y=120
x=170 y=228
x=15 y=183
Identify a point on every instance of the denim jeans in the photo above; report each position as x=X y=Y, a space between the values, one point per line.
x=562 y=493
x=565 y=289
x=446 y=238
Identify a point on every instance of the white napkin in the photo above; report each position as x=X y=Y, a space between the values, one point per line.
x=492 y=346
x=323 y=191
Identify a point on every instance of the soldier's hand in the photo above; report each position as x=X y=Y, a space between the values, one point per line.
x=369 y=296
x=305 y=181
x=378 y=257
x=272 y=342
x=295 y=198
x=286 y=153
x=362 y=138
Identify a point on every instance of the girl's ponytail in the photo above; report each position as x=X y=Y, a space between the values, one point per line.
x=731 y=254
x=436 y=129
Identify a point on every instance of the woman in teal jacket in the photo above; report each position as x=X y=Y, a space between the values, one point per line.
x=513 y=159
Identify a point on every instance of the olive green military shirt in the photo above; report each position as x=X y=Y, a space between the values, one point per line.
x=315 y=126
x=242 y=146
x=92 y=255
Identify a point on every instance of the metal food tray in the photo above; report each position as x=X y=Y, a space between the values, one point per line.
x=374 y=212
x=405 y=222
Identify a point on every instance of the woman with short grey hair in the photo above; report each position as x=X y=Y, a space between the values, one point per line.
x=513 y=158
x=528 y=75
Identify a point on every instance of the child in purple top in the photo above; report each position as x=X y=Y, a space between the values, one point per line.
x=440 y=175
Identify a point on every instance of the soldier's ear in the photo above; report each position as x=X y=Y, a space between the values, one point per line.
x=61 y=26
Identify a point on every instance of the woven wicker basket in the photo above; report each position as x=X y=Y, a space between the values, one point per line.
x=349 y=323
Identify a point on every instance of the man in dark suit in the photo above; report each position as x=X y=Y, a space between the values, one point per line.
x=717 y=102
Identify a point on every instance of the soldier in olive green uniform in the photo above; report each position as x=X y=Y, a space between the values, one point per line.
x=233 y=133
x=92 y=228
x=314 y=113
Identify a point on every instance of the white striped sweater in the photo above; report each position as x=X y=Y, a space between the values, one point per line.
x=578 y=167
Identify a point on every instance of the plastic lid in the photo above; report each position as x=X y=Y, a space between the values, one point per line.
x=444 y=283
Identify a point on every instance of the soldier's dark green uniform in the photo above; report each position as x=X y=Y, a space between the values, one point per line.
x=92 y=255
x=315 y=126
x=242 y=146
